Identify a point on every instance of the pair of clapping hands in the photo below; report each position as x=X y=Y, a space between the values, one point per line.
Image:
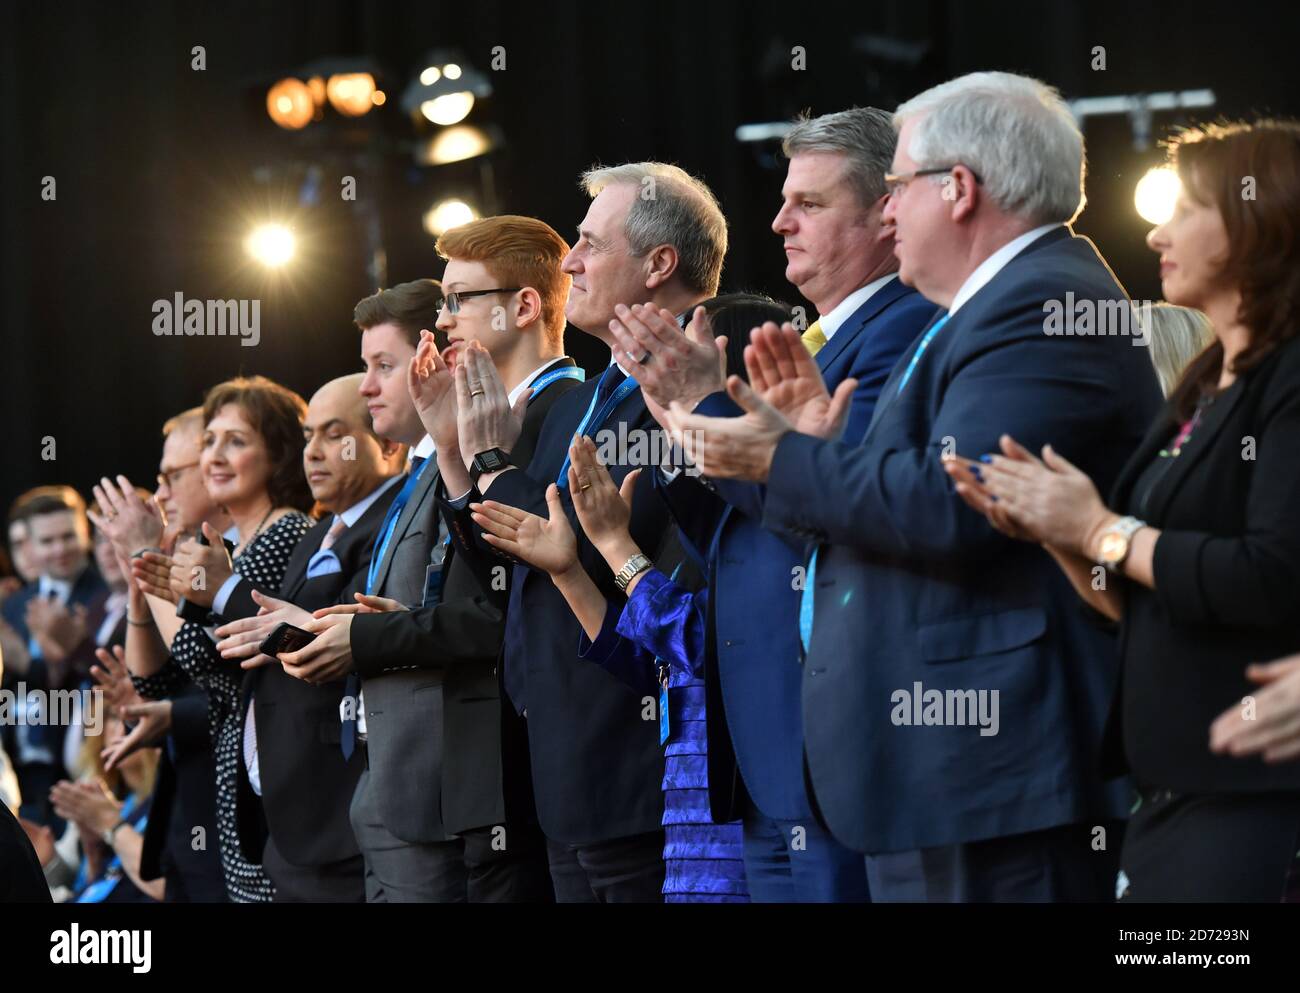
x=604 y=510
x=154 y=554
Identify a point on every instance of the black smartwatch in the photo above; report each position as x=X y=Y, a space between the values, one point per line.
x=493 y=460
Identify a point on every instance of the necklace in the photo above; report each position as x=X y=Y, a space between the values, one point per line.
x=1185 y=433
x=258 y=530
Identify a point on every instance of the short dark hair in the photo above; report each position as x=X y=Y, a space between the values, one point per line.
x=276 y=413
x=412 y=306
x=42 y=500
x=735 y=315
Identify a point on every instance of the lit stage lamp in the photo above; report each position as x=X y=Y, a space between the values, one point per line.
x=1155 y=194
x=271 y=244
x=446 y=90
x=289 y=104
x=456 y=144
x=351 y=94
x=447 y=214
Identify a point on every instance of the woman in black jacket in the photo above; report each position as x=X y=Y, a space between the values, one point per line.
x=1197 y=552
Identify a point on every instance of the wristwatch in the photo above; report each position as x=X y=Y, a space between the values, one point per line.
x=490 y=461
x=1113 y=548
x=636 y=565
x=108 y=833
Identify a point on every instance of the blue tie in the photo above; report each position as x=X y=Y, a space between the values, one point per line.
x=352 y=686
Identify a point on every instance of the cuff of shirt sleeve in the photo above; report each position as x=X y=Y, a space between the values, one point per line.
x=607 y=641
x=223 y=594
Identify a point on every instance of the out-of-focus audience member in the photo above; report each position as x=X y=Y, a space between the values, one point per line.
x=1177 y=335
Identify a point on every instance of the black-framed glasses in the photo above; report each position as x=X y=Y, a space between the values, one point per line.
x=452 y=300
x=895 y=181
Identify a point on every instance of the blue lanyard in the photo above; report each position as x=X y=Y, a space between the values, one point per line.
x=98 y=891
x=916 y=356
x=567 y=372
x=601 y=416
x=390 y=525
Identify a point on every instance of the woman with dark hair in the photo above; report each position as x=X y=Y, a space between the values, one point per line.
x=1198 y=549
x=251 y=460
x=654 y=641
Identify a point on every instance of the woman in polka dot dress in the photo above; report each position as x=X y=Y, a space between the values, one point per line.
x=252 y=465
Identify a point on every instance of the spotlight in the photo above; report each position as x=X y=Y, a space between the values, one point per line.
x=351 y=94
x=450 y=108
x=271 y=244
x=456 y=144
x=290 y=105
x=446 y=89
x=448 y=214
x=1156 y=193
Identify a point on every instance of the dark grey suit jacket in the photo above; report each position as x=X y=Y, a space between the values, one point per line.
x=403 y=707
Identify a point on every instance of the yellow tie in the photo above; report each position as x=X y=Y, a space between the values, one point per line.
x=813 y=339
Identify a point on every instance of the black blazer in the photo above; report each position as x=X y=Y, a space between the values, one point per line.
x=1227 y=574
x=183 y=800
x=484 y=766
x=597 y=766
x=307 y=787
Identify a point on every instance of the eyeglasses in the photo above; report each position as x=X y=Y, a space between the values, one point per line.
x=894 y=182
x=452 y=300
x=169 y=477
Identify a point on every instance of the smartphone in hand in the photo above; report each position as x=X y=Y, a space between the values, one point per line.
x=285 y=638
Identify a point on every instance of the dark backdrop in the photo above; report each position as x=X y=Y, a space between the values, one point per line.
x=160 y=169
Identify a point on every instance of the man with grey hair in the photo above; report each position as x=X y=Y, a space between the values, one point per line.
x=839 y=253
x=914 y=606
x=653 y=235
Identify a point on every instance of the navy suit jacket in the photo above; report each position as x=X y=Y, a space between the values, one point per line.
x=594 y=746
x=915 y=592
x=752 y=660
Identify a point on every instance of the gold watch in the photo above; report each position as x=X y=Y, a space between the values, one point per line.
x=1115 y=542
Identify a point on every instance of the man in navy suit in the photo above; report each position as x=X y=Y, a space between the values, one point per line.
x=839 y=254
x=954 y=693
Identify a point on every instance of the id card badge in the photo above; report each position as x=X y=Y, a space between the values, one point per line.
x=432 y=586
x=665 y=723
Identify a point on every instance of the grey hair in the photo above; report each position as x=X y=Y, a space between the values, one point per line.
x=674 y=208
x=1178 y=335
x=865 y=136
x=1014 y=132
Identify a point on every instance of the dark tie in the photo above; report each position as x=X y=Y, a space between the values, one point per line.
x=352 y=685
x=610 y=380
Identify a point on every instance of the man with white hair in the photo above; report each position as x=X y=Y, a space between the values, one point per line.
x=654 y=235
x=954 y=692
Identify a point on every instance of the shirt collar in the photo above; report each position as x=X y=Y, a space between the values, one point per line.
x=845 y=309
x=423 y=450
x=61 y=588
x=231 y=534
x=994 y=264
x=353 y=513
x=527 y=381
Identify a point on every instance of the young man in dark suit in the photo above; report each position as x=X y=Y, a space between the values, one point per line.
x=840 y=255
x=653 y=234
x=954 y=694
x=295 y=784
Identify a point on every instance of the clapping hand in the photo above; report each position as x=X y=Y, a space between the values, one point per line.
x=240 y=639
x=548 y=545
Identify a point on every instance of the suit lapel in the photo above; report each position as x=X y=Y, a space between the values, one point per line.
x=413 y=505
x=856 y=321
x=301 y=557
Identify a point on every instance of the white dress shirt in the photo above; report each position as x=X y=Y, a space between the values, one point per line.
x=845 y=309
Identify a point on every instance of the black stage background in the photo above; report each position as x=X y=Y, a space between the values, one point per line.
x=161 y=169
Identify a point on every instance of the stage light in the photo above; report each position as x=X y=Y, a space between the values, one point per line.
x=271 y=244
x=1156 y=193
x=379 y=98
x=351 y=94
x=448 y=214
x=451 y=71
x=450 y=108
x=290 y=105
x=455 y=145
x=430 y=75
